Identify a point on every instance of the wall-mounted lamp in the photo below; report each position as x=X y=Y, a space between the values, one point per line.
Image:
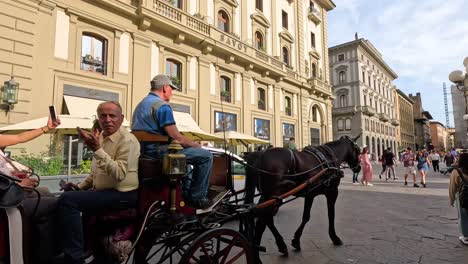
x=10 y=93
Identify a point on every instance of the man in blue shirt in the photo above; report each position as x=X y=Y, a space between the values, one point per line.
x=154 y=115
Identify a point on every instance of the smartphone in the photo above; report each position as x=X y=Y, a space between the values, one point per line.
x=52 y=112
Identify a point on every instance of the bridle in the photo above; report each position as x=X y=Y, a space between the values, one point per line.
x=355 y=148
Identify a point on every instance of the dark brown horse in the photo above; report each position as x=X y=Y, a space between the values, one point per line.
x=276 y=171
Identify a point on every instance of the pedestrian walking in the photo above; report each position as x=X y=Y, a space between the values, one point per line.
x=423 y=166
x=390 y=162
x=454 y=196
x=408 y=163
x=366 y=168
x=449 y=159
x=384 y=167
x=434 y=157
x=356 y=174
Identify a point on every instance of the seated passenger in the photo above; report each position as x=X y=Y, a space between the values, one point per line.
x=112 y=184
x=37 y=225
x=154 y=115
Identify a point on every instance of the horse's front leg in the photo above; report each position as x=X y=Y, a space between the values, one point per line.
x=332 y=195
x=308 y=201
x=282 y=248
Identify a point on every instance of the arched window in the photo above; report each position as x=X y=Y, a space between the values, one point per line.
x=223 y=21
x=340 y=124
x=348 y=124
x=93 y=53
x=174 y=71
x=288 y=106
x=261 y=99
x=286 y=56
x=259 y=5
x=314 y=70
x=341 y=77
x=225 y=89
x=315 y=114
x=343 y=100
x=259 y=44
x=178 y=3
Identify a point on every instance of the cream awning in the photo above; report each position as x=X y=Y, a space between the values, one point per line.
x=189 y=128
x=85 y=107
x=68 y=125
x=237 y=138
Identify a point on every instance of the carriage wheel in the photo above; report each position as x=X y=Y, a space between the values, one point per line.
x=218 y=246
x=165 y=244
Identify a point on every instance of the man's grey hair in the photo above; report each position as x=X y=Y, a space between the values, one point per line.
x=110 y=102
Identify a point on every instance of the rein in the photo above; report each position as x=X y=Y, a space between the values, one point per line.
x=281 y=175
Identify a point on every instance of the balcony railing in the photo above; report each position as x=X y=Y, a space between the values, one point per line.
x=189 y=24
x=384 y=117
x=344 y=110
x=368 y=110
x=314 y=15
x=395 y=122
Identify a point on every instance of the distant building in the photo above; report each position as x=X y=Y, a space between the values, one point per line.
x=364 y=95
x=421 y=123
x=405 y=132
x=461 y=126
x=439 y=136
x=451 y=137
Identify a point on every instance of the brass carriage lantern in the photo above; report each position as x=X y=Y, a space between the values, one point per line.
x=10 y=93
x=174 y=166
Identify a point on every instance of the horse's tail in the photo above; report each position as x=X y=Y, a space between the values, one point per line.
x=251 y=175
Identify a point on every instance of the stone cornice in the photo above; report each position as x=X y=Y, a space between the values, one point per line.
x=260 y=19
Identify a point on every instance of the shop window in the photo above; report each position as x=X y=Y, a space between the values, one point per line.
x=93 y=53
x=174 y=71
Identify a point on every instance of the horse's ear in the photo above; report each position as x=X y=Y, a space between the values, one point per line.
x=356 y=138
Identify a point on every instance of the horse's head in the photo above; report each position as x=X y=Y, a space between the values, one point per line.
x=352 y=152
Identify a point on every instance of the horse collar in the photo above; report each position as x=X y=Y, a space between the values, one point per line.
x=293 y=161
x=318 y=155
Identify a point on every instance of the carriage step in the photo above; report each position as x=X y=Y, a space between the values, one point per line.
x=216 y=201
x=212 y=225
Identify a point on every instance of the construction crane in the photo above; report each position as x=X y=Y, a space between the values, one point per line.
x=447 y=119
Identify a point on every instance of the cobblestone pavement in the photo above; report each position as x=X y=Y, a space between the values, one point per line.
x=384 y=223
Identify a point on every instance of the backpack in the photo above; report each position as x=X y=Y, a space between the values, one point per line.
x=463 y=193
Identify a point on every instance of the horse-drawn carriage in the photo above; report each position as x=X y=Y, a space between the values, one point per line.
x=164 y=229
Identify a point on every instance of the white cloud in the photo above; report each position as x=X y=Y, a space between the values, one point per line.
x=422 y=41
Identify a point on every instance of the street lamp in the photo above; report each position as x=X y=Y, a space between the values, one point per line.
x=10 y=93
x=460 y=79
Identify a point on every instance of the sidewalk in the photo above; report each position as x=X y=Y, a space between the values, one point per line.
x=385 y=223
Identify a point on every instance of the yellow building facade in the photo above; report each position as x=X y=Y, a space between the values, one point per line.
x=257 y=67
x=405 y=133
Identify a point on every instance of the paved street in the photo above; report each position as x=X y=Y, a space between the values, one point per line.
x=385 y=223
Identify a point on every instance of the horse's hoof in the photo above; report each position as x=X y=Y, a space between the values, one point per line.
x=337 y=242
x=282 y=248
x=296 y=244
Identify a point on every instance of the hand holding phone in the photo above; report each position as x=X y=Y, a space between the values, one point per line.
x=53 y=114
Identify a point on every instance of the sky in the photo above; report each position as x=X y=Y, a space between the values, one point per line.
x=421 y=40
